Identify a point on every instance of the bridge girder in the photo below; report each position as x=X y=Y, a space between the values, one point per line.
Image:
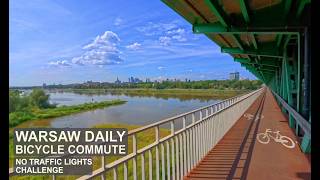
x=245 y=34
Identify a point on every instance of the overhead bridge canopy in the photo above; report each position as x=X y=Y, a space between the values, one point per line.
x=270 y=38
x=254 y=32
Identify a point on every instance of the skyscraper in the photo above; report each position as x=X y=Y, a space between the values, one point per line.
x=117 y=81
x=234 y=76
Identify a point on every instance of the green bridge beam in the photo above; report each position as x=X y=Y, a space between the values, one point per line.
x=217 y=12
x=273 y=63
x=302 y=4
x=261 y=68
x=245 y=14
x=264 y=75
x=264 y=69
x=279 y=39
x=287 y=7
x=254 y=52
x=257 y=74
x=261 y=75
x=222 y=17
x=258 y=65
x=220 y=29
x=280 y=71
x=244 y=10
x=255 y=44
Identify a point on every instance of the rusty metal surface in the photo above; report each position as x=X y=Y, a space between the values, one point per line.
x=239 y=155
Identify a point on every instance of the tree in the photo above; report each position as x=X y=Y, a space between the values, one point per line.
x=39 y=98
x=13 y=100
x=16 y=102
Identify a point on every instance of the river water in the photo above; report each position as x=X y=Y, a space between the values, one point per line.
x=139 y=110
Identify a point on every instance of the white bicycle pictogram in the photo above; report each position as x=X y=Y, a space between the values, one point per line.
x=264 y=138
x=250 y=116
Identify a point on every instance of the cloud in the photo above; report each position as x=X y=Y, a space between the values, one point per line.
x=176 y=31
x=156 y=28
x=182 y=52
x=102 y=51
x=178 y=34
x=157 y=54
x=62 y=63
x=165 y=40
x=134 y=46
x=179 y=38
x=118 y=21
x=161 y=68
x=167 y=32
x=108 y=40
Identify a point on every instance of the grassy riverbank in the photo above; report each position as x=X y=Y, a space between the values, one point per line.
x=165 y=93
x=16 y=118
x=143 y=139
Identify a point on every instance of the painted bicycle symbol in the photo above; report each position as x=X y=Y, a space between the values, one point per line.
x=250 y=116
x=265 y=137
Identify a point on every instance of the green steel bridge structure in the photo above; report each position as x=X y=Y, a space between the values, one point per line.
x=270 y=38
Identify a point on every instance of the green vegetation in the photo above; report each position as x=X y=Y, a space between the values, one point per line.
x=208 y=84
x=182 y=94
x=144 y=138
x=37 y=99
x=36 y=106
x=168 y=84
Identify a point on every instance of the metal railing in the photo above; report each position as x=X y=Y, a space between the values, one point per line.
x=301 y=121
x=176 y=154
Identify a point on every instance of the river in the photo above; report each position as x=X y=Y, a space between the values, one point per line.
x=138 y=110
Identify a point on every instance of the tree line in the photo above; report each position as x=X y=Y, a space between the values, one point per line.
x=36 y=99
x=208 y=84
x=205 y=84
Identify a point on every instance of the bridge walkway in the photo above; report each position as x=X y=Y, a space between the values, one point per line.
x=239 y=154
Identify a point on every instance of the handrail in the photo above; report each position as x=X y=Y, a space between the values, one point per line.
x=122 y=160
x=144 y=149
x=184 y=114
x=219 y=108
x=304 y=124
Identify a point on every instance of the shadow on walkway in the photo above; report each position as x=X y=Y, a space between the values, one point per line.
x=231 y=157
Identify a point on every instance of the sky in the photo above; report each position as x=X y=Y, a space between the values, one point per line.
x=72 y=41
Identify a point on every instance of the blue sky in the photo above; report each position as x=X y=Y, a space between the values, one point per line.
x=72 y=41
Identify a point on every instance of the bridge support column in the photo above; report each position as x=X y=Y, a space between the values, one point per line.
x=306 y=144
x=306 y=141
x=288 y=85
x=306 y=88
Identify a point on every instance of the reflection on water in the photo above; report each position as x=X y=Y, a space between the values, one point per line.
x=137 y=93
x=139 y=110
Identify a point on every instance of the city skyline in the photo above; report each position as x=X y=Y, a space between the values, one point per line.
x=133 y=79
x=70 y=42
